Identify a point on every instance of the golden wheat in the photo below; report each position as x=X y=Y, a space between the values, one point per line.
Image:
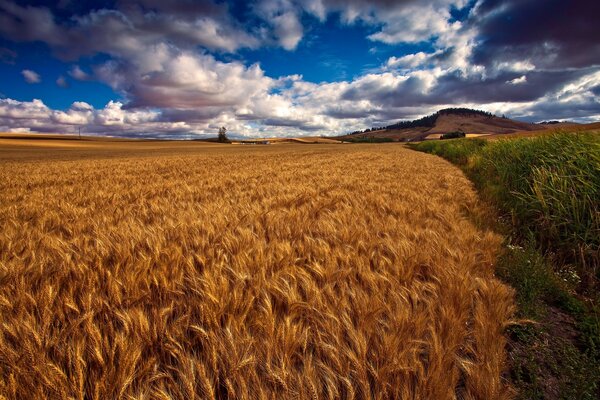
x=288 y=272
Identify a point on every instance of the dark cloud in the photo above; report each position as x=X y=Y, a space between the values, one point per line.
x=345 y=113
x=119 y=31
x=29 y=23
x=556 y=110
x=181 y=8
x=454 y=88
x=166 y=60
x=552 y=33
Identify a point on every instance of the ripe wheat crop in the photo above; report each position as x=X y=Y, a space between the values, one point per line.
x=287 y=272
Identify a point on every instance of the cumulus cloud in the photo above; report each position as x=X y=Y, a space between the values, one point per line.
x=400 y=21
x=408 y=61
x=77 y=73
x=305 y=108
x=283 y=16
x=169 y=63
x=288 y=30
x=31 y=76
x=183 y=79
x=35 y=115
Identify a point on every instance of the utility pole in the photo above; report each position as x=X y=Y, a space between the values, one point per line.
x=79 y=133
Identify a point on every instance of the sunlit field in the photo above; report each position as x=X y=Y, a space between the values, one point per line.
x=204 y=271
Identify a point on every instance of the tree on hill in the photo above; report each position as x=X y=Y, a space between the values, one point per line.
x=464 y=111
x=223 y=135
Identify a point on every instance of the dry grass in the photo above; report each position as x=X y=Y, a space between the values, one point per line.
x=230 y=272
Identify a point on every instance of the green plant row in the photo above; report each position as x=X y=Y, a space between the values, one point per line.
x=550 y=185
x=549 y=188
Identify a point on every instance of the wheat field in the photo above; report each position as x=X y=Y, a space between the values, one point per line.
x=241 y=272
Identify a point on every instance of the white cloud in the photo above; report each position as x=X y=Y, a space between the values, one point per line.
x=36 y=115
x=185 y=79
x=288 y=30
x=31 y=76
x=518 y=81
x=15 y=130
x=517 y=66
x=408 y=61
x=159 y=63
x=401 y=26
x=399 y=21
x=207 y=31
x=283 y=17
x=77 y=73
x=298 y=108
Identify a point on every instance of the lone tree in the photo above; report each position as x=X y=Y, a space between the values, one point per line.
x=223 y=135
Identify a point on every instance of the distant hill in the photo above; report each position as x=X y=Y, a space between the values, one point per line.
x=469 y=121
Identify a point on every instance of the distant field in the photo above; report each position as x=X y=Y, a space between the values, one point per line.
x=305 y=140
x=161 y=270
x=55 y=147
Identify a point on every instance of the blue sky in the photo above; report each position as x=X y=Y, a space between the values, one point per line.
x=331 y=51
x=290 y=67
x=38 y=57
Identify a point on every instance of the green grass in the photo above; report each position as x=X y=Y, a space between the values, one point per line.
x=549 y=185
x=456 y=151
x=542 y=361
x=547 y=189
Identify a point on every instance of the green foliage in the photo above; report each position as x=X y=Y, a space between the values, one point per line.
x=534 y=281
x=455 y=151
x=550 y=185
x=541 y=358
x=548 y=366
x=453 y=135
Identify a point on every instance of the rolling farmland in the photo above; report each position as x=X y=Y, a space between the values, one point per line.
x=200 y=271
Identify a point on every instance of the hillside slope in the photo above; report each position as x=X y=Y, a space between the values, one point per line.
x=480 y=124
x=449 y=120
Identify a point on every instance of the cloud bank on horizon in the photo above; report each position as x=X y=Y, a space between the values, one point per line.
x=290 y=67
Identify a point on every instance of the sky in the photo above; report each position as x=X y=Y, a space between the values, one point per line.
x=262 y=68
